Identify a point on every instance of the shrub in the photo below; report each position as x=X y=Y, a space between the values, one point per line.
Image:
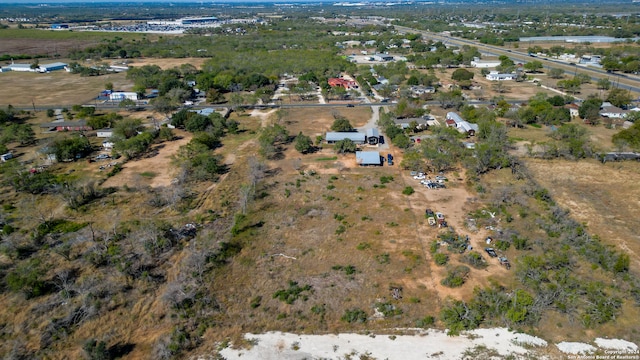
x=425 y=322
x=441 y=259
x=293 y=293
x=354 y=315
x=387 y=309
x=474 y=259
x=456 y=276
x=383 y=258
x=408 y=190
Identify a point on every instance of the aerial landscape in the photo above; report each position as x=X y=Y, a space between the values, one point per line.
x=320 y=180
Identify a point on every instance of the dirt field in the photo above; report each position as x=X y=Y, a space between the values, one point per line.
x=154 y=170
x=56 y=88
x=168 y=63
x=45 y=47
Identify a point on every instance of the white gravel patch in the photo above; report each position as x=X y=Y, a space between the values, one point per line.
x=424 y=345
x=616 y=344
x=526 y=339
x=575 y=348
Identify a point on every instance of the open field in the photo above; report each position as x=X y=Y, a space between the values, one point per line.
x=54 y=44
x=56 y=88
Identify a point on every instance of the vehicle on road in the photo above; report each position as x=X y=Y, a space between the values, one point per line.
x=350 y=105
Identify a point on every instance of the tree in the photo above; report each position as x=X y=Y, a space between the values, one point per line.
x=108 y=86
x=197 y=123
x=341 y=124
x=533 y=66
x=462 y=75
x=556 y=73
x=628 y=137
x=163 y=105
x=604 y=84
x=127 y=104
x=345 y=146
x=303 y=143
x=214 y=96
x=619 y=97
x=50 y=113
x=128 y=128
x=590 y=109
x=70 y=148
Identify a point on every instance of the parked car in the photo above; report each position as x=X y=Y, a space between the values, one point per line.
x=381 y=140
x=102 y=157
x=420 y=176
x=440 y=178
x=505 y=262
x=491 y=252
x=429 y=212
x=440 y=216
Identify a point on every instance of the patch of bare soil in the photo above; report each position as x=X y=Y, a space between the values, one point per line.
x=168 y=63
x=603 y=196
x=45 y=47
x=155 y=170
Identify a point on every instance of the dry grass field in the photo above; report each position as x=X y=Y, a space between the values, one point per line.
x=56 y=88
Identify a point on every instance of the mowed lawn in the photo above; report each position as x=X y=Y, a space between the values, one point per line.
x=56 y=88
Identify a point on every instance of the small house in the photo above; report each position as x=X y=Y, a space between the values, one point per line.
x=368 y=158
x=496 y=76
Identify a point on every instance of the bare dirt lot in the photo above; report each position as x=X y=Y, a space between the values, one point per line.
x=154 y=170
x=168 y=63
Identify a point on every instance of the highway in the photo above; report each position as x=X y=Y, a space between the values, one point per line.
x=623 y=81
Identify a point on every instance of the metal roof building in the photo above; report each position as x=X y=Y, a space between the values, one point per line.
x=51 y=67
x=365 y=158
x=356 y=137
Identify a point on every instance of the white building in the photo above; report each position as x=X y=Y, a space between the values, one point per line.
x=122 y=95
x=496 y=76
x=484 y=64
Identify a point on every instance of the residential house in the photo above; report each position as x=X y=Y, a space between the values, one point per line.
x=610 y=111
x=347 y=84
x=357 y=137
x=104 y=133
x=463 y=126
x=496 y=76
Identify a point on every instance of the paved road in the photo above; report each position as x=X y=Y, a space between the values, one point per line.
x=623 y=81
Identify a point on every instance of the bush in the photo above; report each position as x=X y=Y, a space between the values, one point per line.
x=293 y=293
x=425 y=322
x=441 y=259
x=387 y=309
x=456 y=276
x=408 y=190
x=474 y=259
x=354 y=315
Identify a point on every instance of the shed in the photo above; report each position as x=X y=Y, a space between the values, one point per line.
x=356 y=137
x=368 y=158
x=373 y=136
x=80 y=125
x=104 y=133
